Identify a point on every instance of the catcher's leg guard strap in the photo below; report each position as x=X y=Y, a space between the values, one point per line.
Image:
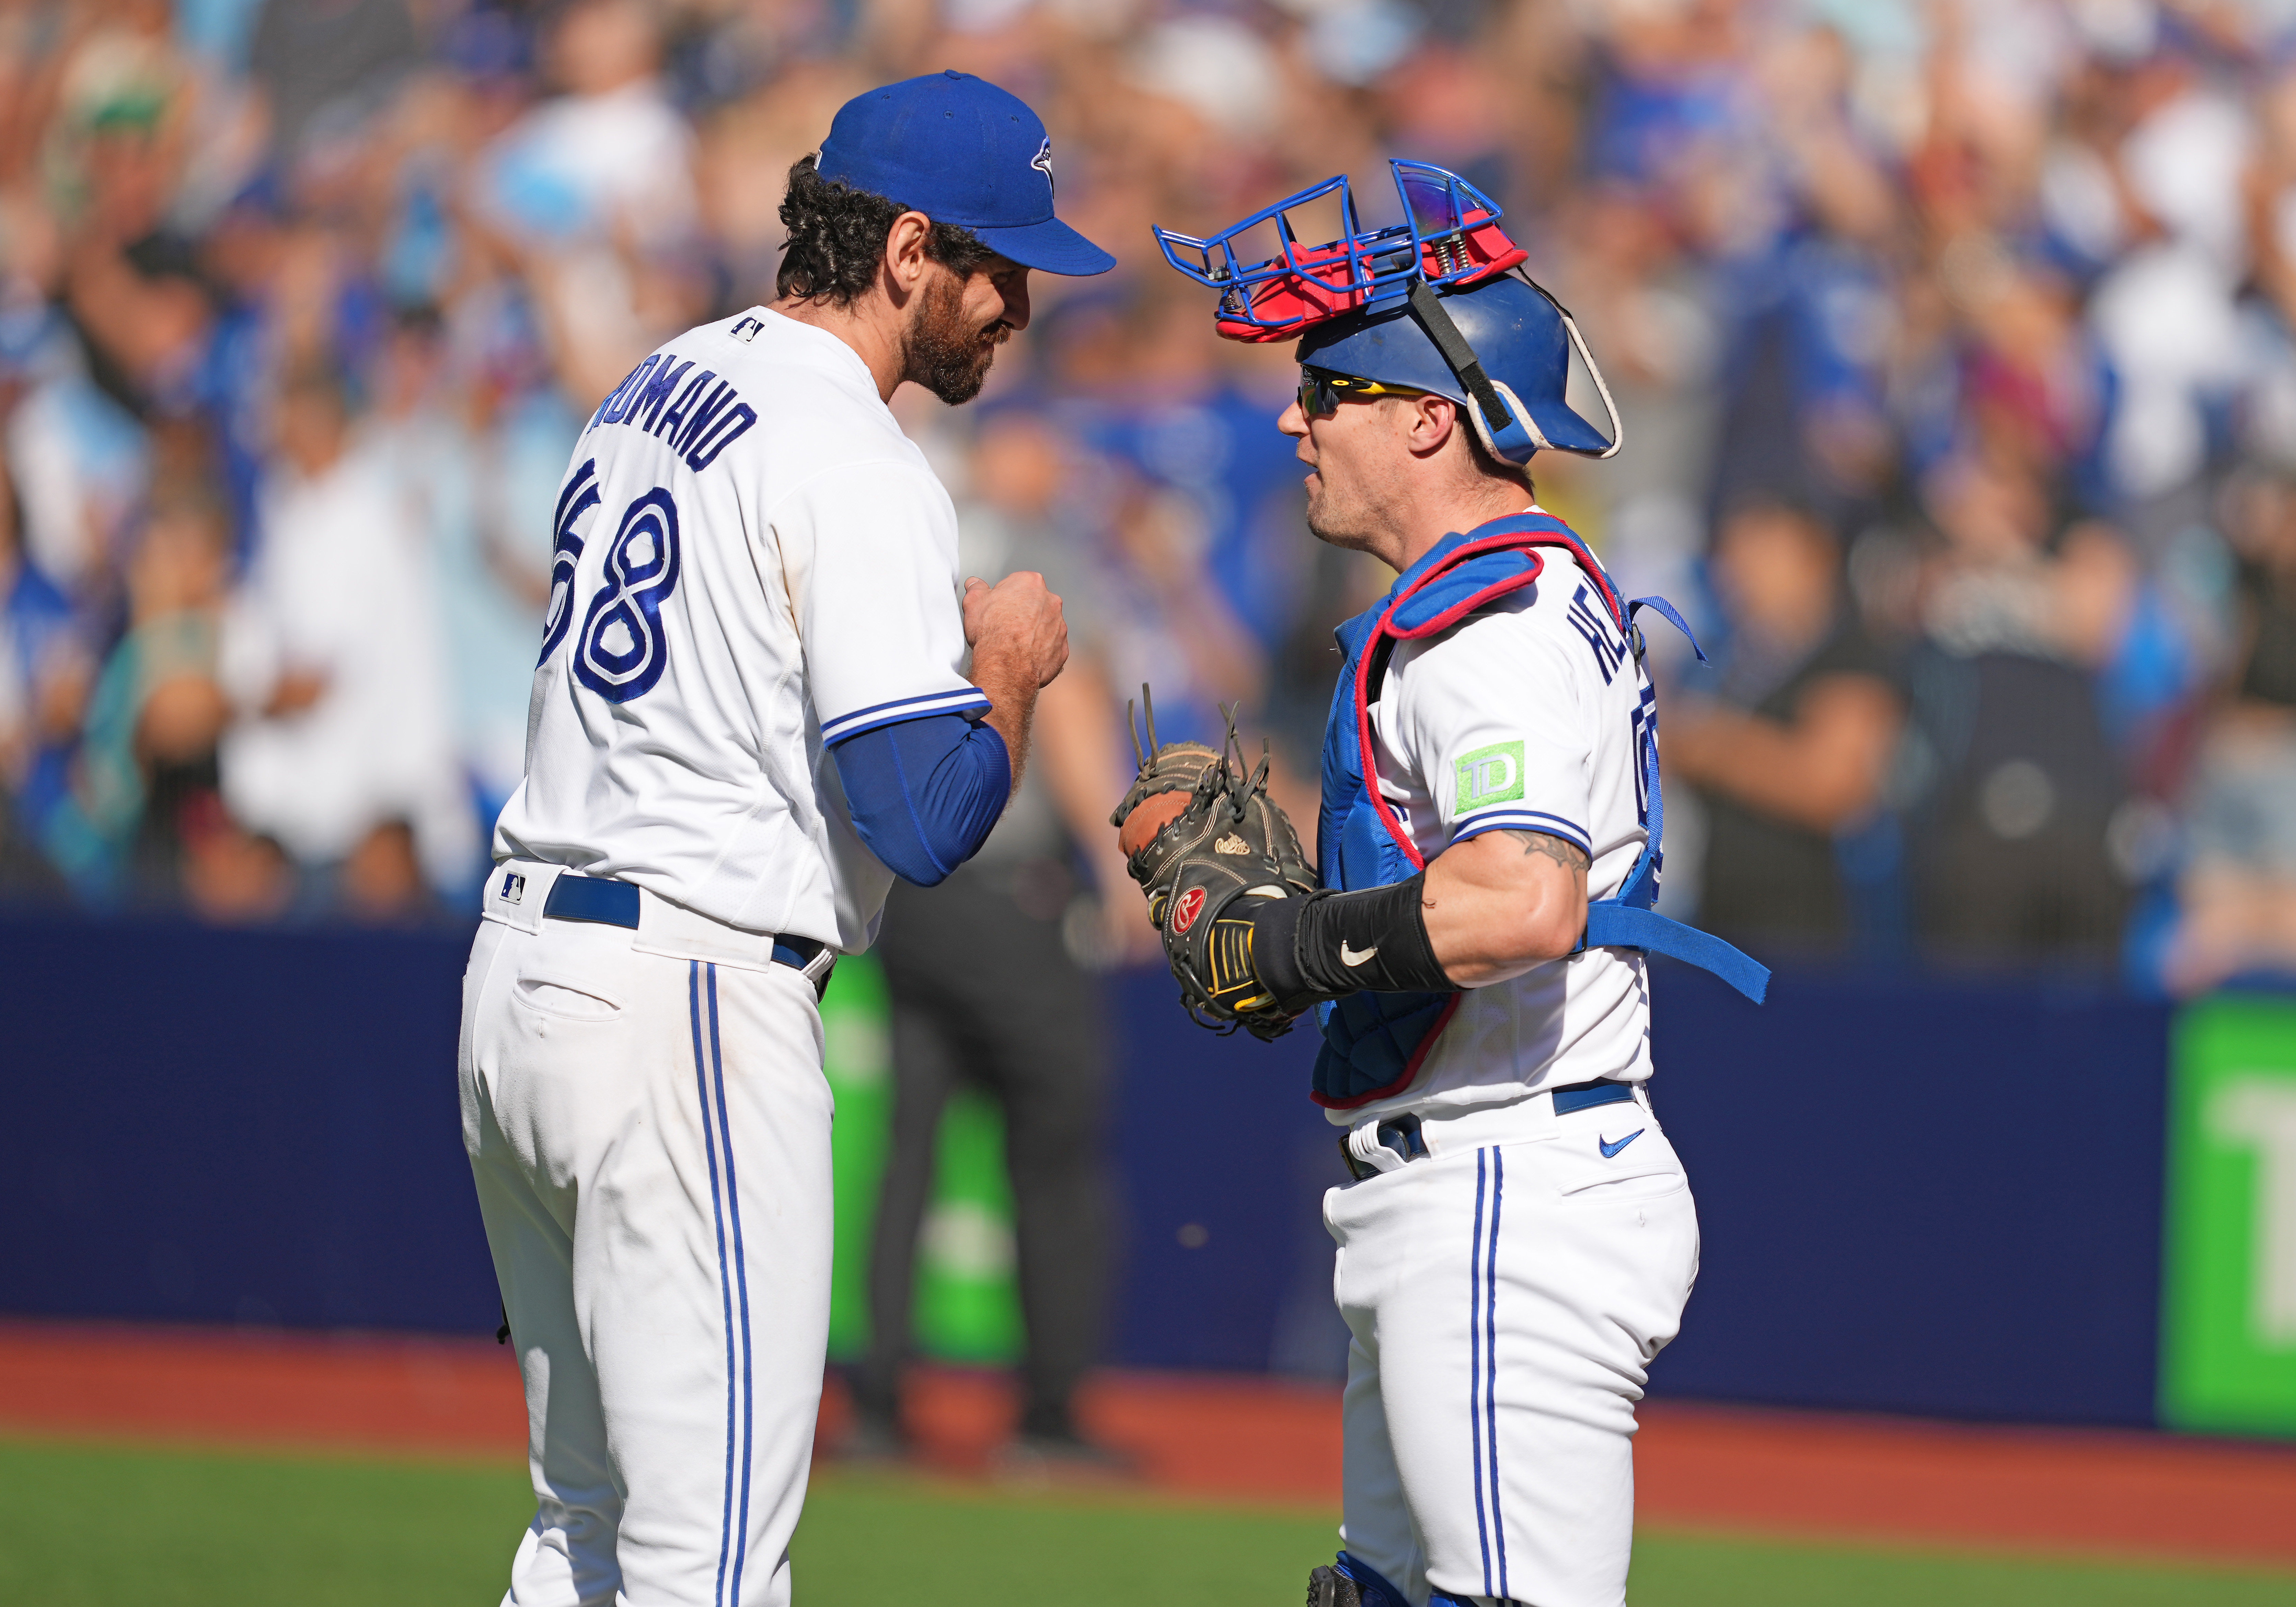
x=1337 y=943
x=1350 y=1582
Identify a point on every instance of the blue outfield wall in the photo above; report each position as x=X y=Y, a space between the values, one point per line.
x=256 y=1127
x=1917 y=1195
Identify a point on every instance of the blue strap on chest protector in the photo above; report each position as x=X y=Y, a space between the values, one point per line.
x=1626 y=919
x=1373 y=1043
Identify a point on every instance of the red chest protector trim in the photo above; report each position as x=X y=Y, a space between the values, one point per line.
x=1389 y=627
x=1374 y=1044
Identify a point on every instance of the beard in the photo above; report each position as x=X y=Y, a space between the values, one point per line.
x=946 y=354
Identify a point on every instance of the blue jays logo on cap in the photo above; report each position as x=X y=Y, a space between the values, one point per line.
x=961 y=151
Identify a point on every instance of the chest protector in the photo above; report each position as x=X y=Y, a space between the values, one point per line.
x=1374 y=1043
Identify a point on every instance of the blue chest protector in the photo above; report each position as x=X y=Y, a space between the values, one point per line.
x=1373 y=1043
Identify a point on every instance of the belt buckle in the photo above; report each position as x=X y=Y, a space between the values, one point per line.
x=1400 y=1135
x=817 y=970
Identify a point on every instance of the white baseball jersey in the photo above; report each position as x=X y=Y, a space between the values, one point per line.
x=1528 y=716
x=752 y=561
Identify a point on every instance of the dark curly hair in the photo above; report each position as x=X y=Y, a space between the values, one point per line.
x=837 y=237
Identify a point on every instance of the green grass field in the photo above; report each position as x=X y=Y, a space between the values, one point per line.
x=99 y=1526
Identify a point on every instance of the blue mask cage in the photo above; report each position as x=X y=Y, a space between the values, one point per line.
x=1441 y=241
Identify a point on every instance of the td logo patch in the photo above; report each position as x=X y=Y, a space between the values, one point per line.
x=1490 y=775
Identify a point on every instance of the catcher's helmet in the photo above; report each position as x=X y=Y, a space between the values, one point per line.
x=1515 y=331
x=1438 y=302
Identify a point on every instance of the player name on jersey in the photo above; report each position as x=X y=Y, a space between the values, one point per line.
x=665 y=399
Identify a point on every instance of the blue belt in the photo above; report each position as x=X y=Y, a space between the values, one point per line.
x=609 y=903
x=1403 y=1136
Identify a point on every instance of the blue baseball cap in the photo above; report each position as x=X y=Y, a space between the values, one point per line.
x=964 y=152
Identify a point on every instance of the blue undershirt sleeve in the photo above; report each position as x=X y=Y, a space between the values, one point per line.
x=924 y=793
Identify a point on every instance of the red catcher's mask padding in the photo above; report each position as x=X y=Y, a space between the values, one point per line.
x=1450 y=235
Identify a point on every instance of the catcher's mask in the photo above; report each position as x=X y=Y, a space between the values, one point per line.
x=1436 y=303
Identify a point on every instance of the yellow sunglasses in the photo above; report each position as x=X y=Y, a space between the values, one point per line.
x=1321 y=392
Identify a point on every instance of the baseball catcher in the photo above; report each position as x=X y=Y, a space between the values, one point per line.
x=1517 y=1234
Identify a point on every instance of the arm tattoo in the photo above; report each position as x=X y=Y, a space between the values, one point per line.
x=1563 y=854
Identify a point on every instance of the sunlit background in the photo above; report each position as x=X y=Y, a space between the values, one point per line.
x=1955 y=346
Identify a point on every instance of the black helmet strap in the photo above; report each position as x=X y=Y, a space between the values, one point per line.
x=1427 y=307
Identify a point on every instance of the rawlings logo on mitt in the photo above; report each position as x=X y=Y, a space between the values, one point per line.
x=1200 y=836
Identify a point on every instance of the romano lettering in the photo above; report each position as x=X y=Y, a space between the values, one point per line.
x=698 y=414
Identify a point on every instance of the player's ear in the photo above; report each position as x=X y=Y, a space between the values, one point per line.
x=1434 y=420
x=904 y=251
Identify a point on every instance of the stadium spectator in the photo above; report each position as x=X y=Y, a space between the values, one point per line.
x=2023 y=781
x=232 y=876
x=148 y=753
x=2239 y=878
x=130 y=287
x=46 y=668
x=1836 y=253
x=326 y=70
x=1791 y=752
x=592 y=193
x=40 y=681
x=333 y=652
x=478 y=471
x=1201 y=430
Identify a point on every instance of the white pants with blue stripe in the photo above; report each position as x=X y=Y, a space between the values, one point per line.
x=650 y=1137
x=1505 y=1295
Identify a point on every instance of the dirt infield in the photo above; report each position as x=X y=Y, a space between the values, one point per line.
x=437 y=1396
x=1703 y=1467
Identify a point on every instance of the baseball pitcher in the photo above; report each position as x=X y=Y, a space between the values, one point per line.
x=1516 y=1238
x=752 y=711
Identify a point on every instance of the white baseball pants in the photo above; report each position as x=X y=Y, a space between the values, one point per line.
x=1505 y=1295
x=650 y=1137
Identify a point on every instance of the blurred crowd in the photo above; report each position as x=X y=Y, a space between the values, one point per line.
x=1955 y=341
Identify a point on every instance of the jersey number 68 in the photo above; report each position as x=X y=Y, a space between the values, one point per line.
x=619 y=653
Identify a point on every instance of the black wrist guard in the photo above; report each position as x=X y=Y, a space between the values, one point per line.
x=1329 y=944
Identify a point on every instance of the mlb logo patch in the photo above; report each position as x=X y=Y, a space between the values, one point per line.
x=748 y=330
x=513 y=887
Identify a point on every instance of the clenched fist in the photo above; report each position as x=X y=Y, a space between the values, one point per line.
x=1017 y=619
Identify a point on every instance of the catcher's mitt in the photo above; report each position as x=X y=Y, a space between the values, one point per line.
x=1199 y=834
